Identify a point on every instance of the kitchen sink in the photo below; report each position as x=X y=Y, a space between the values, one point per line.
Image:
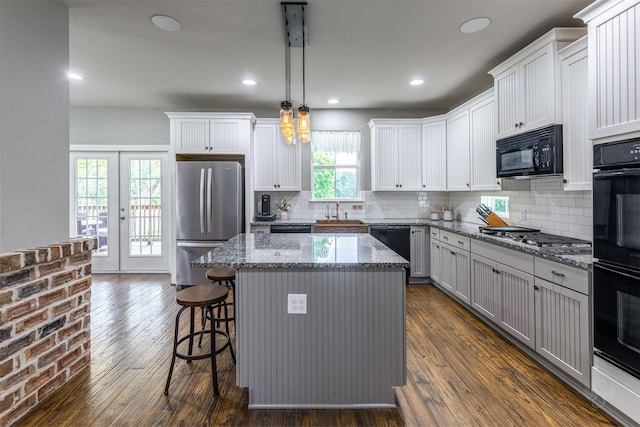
x=340 y=226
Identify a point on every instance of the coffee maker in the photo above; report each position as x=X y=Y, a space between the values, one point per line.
x=264 y=209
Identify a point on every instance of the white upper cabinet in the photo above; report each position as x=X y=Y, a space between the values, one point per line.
x=482 y=116
x=471 y=145
x=211 y=133
x=434 y=155
x=276 y=165
x=614 y=73
x=577 y=148
x=396 y=155
x=527 y=85
x=458 y=151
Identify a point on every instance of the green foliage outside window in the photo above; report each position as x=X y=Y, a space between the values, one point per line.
x=331 y=181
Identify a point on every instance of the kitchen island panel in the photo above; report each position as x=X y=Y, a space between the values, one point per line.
x=348 y=350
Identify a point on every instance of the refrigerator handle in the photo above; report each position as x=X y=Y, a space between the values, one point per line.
x=202 y=230
x=209 y=199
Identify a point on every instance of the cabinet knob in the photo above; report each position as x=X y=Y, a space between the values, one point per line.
x=468 y=185
x=535 y=287
x=498 y=182
x=452 y=253
x=564 y=181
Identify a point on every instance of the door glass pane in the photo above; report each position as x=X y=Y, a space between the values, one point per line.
x=91 y=194
x=145 y=211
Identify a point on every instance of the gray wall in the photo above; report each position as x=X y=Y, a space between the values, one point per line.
x=34 y=123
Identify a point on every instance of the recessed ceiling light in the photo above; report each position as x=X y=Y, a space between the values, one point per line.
x=166 y=23
x=333 y=101
x=249 y=82
x=416 y=82
x=474 y=25
x=74 y=76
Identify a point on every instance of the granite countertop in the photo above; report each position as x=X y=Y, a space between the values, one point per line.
x=310 y=250
x=561 y=255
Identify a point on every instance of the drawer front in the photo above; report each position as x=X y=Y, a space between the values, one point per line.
x=563 y=275
x=509 y=257
x=434 y=233
x=455 y=240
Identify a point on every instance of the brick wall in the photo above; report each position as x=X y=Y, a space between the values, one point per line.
x=45 y=301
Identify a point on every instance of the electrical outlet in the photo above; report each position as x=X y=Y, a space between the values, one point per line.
x=297 y=304
x=356 y=207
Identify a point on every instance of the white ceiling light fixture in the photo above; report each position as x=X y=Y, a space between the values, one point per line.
x=416 y=82
x=333 y=101
x=74 y=76
x=474 y=25
x=166 y=23
x=249 y=82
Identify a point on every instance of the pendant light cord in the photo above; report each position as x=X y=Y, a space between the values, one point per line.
x=304 y=26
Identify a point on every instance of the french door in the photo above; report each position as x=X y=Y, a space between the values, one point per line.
x=123 y=200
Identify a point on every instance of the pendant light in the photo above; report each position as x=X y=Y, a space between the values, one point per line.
x=295 y=35
x=286 y=110
x=304 y=119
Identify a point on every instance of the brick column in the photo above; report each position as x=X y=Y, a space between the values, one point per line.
x=45 y=302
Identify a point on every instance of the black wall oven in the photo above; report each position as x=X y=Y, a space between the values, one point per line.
x=616 y=249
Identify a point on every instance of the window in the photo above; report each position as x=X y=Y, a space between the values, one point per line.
x=335 y=164
x=499 y=204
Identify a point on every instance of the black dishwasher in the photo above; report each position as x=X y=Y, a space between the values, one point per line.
x=290 y=228
x=396 y=237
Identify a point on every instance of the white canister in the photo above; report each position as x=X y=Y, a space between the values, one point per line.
x=447 y=215
x=434 y=216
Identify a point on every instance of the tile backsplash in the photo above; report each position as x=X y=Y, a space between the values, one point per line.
x=545 y=206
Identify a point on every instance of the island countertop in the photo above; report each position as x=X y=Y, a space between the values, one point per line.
x=309 y=250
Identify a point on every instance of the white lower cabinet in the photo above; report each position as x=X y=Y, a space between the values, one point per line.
x=435 y=254
x=454 y=271
x=504 y=295
x=419 y=251
x=542 y=303
x=562 y=318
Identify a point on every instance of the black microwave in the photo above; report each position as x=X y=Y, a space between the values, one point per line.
x=538 y=152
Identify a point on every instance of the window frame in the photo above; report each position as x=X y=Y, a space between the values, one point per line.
x=335 y=166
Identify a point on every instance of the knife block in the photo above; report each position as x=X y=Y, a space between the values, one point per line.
x=495 y=221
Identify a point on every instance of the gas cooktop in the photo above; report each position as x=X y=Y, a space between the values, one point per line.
x=534 y=237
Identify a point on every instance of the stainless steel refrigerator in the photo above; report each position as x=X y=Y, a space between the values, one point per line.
x=209 y=211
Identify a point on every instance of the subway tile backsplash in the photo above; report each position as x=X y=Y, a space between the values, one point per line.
x=545 y=206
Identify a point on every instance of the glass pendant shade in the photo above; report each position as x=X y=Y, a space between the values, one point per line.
x=304 y=124
x=286 y=115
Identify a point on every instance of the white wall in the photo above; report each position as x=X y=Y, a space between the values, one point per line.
x=34 y=123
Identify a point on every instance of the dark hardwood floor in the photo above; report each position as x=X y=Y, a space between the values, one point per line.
x=460 y=372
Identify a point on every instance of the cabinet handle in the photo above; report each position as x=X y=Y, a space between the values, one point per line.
x=536 y=287
x=445 y=237
x=452 y=253
x=461 y=242
x=555 y=273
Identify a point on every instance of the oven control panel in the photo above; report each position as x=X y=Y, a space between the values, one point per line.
x=620 y=153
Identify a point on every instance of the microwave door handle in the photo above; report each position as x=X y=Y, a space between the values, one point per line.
x=620 y=273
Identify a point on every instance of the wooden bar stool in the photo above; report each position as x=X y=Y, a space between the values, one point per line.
x=208 y=298
x=224 y=276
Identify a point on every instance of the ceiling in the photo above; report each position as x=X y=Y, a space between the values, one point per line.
x=363 y=52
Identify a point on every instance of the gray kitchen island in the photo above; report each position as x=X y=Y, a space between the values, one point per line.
x=320 y=319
